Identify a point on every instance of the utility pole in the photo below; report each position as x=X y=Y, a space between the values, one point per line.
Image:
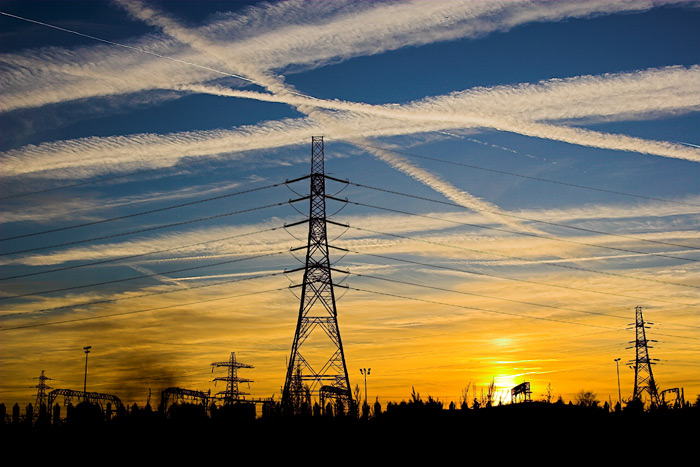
x=317 y=308
x=619 y=393
x=365 y=372
x=87 y=351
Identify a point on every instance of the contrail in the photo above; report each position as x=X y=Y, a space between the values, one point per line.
x=278 y=35
x=285 y=93
x=688 y=144
x=572 y=135
x=137 y=49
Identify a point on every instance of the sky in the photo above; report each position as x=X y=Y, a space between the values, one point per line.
x=519 y=177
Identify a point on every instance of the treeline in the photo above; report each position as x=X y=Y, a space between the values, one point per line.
x=416 y=418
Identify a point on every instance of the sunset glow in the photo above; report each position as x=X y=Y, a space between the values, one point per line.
x=520 y=176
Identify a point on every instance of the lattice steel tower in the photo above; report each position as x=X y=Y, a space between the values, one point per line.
x=232 y=393
x=643 y=377
x=317 y=310
x=41 y=393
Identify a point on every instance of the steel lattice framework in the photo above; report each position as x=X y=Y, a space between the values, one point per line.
x=41 y=397
x=174 y=395
x=643 y=376
x=232 y=393
x=95 y=398
x=317 y=309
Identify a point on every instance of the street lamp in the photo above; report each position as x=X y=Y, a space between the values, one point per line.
x=365 y=372
x=87 y=351
x=619 y=394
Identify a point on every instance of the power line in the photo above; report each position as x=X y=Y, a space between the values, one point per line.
x=140 y=255
x=514 y=231
x=115 y=281
x=149 y=229
x=114 y=177
x=482 y=309
x=124 y=313
x=529 y=177
x=143 y=213
x=501 y=298
x=576 y=268
x=510 y=278
x=519 y=217
x=132 y=297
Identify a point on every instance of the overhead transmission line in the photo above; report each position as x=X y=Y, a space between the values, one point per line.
x=529 y=177
x=143 y=276
x=133 y=297
x=414 y=284
x=448 y=203
x=530 y=234
x=478 y=273
x=133 y=312
x=149 y=229
x=577 y=268
x=140 y=255
x=483 y=309
x=245 y=78
x=114 y=177
x=143 y=213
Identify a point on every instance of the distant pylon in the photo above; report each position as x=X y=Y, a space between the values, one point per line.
x=232 y=393
x=41 y=393
x=317 y=308
x=643 y=376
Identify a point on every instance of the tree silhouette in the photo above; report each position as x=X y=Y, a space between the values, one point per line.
x=377 y=408
x=586 y=399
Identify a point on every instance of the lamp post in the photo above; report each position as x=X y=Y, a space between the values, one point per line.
x=365 y=372
x=87 y=351
x=619 y=394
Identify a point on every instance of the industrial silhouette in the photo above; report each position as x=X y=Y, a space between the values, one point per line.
x=643 y=376
x=317 y=309
x=231 y=394
x=317 y=391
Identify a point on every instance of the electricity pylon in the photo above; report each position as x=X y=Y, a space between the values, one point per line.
x=41 y=398
x=317 y=310
x=232 y=393
x=643 y=376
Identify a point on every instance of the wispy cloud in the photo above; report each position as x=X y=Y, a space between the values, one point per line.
x=435 y=226
x=90 y=156
x=45 y=209
x=274 y=37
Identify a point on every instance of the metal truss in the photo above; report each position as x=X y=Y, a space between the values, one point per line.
x=317 y=308
x=643 y=376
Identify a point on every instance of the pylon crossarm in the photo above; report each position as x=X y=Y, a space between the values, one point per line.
x=296 y=223
x=297 y=179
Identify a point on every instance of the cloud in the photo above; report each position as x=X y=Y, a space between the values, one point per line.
x=655 y=90
x=431 y=225
x=65 y=207
x=273 y=36
x=521 y=109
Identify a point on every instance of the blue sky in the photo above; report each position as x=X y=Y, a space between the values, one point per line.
x=494 y=109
